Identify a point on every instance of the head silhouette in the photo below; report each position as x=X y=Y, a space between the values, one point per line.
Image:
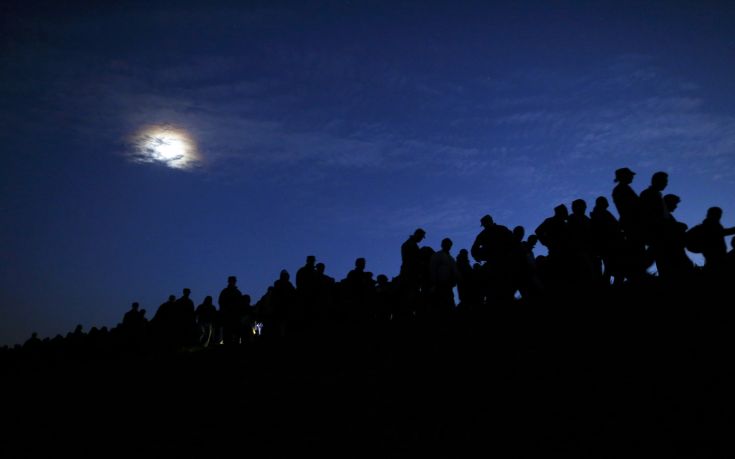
x=187 y=292
x=171 y=298
x=208 y=300
x=671 y=201
x=320 y=268
x=579 y=207
x=446 y=244
x=601 y=202
x=714 y=213
x=310 y=260
x=231 y=281
x=624 y=175
x=418 y=235
x=561 y=211
x=360 y=264
x=284 y=276
x=135 y=306
x=659 y=181
x=486 y=221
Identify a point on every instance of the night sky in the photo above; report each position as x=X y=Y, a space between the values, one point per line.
x=329 y=128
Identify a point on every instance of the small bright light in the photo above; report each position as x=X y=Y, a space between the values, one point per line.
x=165 y=144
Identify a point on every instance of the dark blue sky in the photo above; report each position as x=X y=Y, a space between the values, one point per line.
x=333 y=129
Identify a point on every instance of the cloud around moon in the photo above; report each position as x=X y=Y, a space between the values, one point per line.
x=168 y=145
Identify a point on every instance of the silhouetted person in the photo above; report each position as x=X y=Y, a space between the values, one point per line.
x=653 y=216
x=33 y=344
x=671 y=258
x=360 y=286
x=626 y=200
x=713 y=235
x=325 y=294
x=554 y=234
x=133 y=320
x=283 y=301
x=444 y=276
x=529 y=285
x=184 y=318
x=585 y=265
x=307 y=285
x=229 y=307
x=495 y=246
x=207 y=321
x=653 y=209
x=164 y=311
x=164 y=323
x=184 y=303
x=607 y=240
x=411 y=266
x=628 y=205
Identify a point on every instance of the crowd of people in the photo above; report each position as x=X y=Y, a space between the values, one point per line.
x=586 y=253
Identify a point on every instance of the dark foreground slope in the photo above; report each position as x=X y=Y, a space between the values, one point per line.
x=606 y=375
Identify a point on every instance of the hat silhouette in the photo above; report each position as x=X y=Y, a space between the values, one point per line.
x=623 y=172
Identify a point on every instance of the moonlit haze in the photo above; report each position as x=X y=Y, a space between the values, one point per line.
x=167 y=145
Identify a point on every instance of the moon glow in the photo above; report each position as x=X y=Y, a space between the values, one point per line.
x=168 y=145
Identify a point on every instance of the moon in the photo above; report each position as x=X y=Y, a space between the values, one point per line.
x=168 y=145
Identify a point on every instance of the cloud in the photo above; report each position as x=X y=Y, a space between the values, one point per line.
x=328 y=114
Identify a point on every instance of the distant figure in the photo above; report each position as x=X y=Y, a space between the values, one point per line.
x=529 y=285
x=358 y=281
x=166 y=313
x=307 y=285
x=184 y=318
x=229 y=306
x=494 y=243
x=627 y=201
x=33 y=344
x=607 y=241
x=207 y=321
x=184 y=303
x=444 y=276
x=671 y=258
x=325 y=294
x=628 y=205
x=133 y=320
x=283 y=302
x=164 y=323
x=713 y=235
x=411 y=268
x=496 y=246
x=585 y=265
x=359 y=286
x=652 y=208
x=554 y=234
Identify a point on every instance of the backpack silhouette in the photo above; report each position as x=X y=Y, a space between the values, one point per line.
x=696 y=238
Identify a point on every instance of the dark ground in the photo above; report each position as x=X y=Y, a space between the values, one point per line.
x=606 y=377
